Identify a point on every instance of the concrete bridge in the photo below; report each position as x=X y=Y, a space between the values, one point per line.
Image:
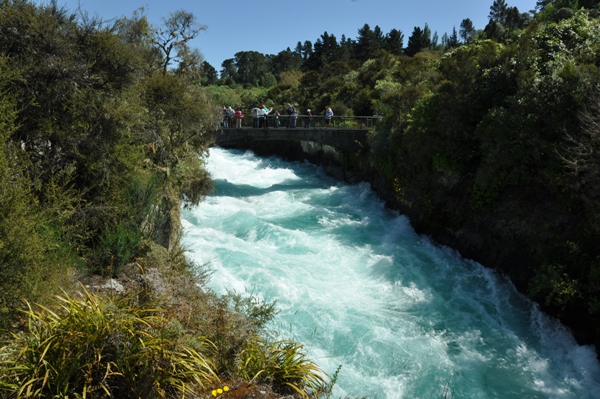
x=346 y=139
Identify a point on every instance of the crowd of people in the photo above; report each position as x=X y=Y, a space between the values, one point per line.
x=261 y=116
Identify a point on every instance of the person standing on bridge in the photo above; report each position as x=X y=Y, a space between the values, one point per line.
x=291 y=111
x=265 y=118
x=255 y=117
x=230 y=114
x=238 y=118
x=307 y=119
x=225 y=117
x=276 y=118
x=328 y=116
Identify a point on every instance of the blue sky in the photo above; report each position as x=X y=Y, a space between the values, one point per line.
x=270 y=27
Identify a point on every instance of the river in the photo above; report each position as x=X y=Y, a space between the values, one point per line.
x=358 y=287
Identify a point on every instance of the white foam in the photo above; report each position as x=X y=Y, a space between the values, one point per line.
x=358 y=287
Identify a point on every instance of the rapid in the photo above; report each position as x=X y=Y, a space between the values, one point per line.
x=354 y=283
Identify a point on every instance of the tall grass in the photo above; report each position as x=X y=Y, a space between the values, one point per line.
x=94 y=346
x=282 y=364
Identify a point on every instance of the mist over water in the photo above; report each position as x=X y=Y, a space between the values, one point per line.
x=359 y=288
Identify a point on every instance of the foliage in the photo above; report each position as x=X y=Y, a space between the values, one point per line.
x=21 y=244
x=95 y=116
x=283 y=364
x=94 y=344
x=258 y=311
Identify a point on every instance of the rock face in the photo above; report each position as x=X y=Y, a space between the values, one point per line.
x=496 y=242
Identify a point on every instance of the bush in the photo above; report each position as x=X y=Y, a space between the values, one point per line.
x=118 y=247
x=283 y=364
x=97 y=347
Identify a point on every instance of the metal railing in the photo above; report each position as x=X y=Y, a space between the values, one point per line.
x=315 y=122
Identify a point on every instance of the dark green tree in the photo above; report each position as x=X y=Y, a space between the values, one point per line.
x=540 y=4
x=368 y=43
x=415 y=42
x=345 y=49
x=285 y=61
x=394 y=42
x=209 y=74
x=250 y=66
x=305 y=50
x=228 y=70
x=467 y=30
x=434 y=45
x=516 y=19
x=325 y=50
x=453 y=38
x=494 y=30
x=445 y=40
x=498 y=11
x=427 y=37
x=589 y=4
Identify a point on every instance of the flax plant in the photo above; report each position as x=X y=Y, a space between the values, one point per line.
x=282 y=364
x=98 y=347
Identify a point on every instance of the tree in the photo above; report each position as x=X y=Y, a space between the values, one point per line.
x=368 y=43
x=173 y=37
x=453 y=38
x=190 y=65
x=393 y=41
x=285 y=61
x=307 y=49
x=426 y=40
x=515 y=19
x=346 y=49
x=228 y=70
x=415 y=42
x=209 y=74
x=494 y=30
x=540 y=4
x=137 y=33
x=498 y=11
x=434 y=41
x=445 y=41
x=325 y=50
x=467 y=30
x=589 y=4
x=251 y=67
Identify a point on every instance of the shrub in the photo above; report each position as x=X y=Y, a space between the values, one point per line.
x=117 y=248
x=282 y=364
x=95 y=344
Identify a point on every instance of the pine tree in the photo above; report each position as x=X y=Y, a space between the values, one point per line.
x=453 y=38
x=498 y=11
x=393 y=41
x=426 y=39
x=368 y=43
x=415 y=42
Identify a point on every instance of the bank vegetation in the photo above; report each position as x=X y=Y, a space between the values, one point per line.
x=103 y=134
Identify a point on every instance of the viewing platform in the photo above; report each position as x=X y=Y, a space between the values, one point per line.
x=347 y=133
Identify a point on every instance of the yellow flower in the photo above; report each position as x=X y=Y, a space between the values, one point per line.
x=214 y=392
x=220 y=391
x=226 y=388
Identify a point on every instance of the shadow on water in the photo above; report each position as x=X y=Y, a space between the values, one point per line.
x=225 y=188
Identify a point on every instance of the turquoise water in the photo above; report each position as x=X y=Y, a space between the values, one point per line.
x=354 y=283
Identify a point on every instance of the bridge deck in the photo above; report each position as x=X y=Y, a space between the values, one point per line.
x=349 y=139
